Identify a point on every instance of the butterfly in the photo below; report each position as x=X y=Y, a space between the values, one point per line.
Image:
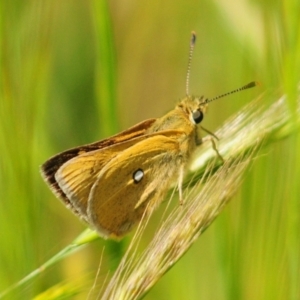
x=112 y=183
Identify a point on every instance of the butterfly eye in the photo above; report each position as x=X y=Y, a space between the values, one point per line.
x=138 y=175
x=197 y=116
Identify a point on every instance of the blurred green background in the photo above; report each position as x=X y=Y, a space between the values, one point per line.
x=73 y=72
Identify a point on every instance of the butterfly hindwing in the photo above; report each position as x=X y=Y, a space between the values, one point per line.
x=127 y=186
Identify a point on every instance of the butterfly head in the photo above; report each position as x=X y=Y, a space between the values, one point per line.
x=194 y=108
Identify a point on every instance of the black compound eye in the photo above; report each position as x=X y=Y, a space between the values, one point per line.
x=197 y=116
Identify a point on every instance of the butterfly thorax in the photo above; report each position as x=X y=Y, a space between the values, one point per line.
x=180 y=120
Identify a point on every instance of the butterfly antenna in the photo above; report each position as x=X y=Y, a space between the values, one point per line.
x=245 y=87
x=192 y=45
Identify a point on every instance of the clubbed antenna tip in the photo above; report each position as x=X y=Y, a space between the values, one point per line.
x=193 y=39
x=250 y=85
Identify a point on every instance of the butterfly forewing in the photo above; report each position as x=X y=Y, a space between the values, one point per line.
x=52 y=165
x=76 y=177
x=109 y=211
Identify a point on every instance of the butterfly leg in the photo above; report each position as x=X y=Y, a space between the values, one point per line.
x=209 y=132
x=180 y=182
x=214 y=146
